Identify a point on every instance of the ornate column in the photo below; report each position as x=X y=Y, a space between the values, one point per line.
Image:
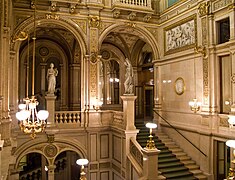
x=43 y=75
x=94 y=24
x=75 y=86
x=51 y=172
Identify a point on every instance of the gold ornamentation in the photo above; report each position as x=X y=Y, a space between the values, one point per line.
x=94 y=21
x=233 y=78
x=94 y=58
x=20 y=37
x=50 y=150
x=131 y=24
x=93 y=40
x=52 y=16
x=202 y=50
x=203 y=8
x=205 y=81
x=50 y=138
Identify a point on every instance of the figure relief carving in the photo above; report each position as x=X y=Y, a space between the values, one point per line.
x=51 y=78
x=128 y=84
x=94 y=21
x=203 y=8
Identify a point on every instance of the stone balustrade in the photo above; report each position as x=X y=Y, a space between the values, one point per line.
x=133 y=3
x=135 y=150
x=68 y=117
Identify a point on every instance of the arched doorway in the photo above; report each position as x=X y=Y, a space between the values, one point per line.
x=33 y=166
x=66 y=167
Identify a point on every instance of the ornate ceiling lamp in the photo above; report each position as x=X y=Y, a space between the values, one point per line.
x=31 y=121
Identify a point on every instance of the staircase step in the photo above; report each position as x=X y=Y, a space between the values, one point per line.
x=169 y=164
x=173 y=162
x=173 y=169
x=180 y=174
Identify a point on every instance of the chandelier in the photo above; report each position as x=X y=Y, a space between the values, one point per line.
x=31 y=121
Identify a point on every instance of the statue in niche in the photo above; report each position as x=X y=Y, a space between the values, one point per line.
x=51 y=78
x=128 y=84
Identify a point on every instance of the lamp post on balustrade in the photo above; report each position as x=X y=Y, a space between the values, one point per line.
x=82 y=163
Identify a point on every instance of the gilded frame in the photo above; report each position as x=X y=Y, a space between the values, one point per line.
x=181 y=35
x=179 y=86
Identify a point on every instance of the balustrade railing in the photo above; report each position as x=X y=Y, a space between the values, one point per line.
x=134 y=3
x=68 y=117
x=135 y=150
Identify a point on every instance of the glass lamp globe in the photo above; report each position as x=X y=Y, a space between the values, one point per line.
x=43 y=115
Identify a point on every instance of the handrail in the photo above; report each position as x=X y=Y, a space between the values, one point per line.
x=180 y=133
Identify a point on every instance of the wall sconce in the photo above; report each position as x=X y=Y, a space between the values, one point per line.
x=150 y=142
x=82 y=163
x=231 y=144
x=231 y=120
x=195 y=105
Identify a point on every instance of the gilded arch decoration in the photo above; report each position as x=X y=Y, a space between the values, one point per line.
x=147 y=35
x=49 y=150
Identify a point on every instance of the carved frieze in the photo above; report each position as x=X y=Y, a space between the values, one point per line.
x=220 y=4
x=181 y=35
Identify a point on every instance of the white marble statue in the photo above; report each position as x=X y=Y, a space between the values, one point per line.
x=128 y=84
x=51 y=78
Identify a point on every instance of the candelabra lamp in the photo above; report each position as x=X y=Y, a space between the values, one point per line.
x=82 y=163
x=150 y=142
x=195 y=105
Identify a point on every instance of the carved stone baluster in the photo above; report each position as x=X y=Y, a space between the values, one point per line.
x=73 y=118
x=65 y=118
x=56 y=118
x=70 y=117
x=61 y=118
x=78 y=119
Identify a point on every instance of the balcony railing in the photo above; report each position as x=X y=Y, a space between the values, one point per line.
x=139 y=4
x=68 y=117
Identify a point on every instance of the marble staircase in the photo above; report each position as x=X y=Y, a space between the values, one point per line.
x=173 y=162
